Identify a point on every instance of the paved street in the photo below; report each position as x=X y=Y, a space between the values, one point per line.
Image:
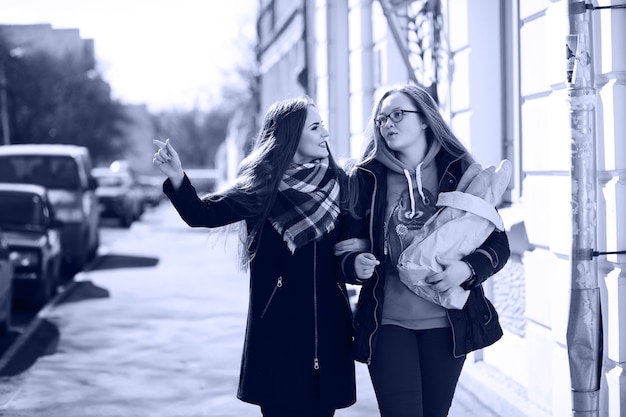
x=161 y=336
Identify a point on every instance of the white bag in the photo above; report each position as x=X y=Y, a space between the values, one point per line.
x=467 y=219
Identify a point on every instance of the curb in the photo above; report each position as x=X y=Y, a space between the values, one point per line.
x=41 y=316
x=33 y=327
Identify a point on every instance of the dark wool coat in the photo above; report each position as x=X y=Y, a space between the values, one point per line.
x=476 y=325
x=299 y=315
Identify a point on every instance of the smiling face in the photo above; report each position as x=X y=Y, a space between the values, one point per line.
x=405 y=137
x=313 y=141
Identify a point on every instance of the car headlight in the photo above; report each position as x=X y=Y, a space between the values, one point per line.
x=25 y=260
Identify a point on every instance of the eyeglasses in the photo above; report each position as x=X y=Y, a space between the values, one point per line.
x=395 y=117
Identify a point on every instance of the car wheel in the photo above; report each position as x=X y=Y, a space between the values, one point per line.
x=127 y=219
x=42 y=294
x=93 y=252
x=77 y=263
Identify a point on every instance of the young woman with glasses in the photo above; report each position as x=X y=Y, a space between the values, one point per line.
x=415 y=348
x=297 y=353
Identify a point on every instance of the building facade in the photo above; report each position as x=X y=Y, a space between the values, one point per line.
x=500 y=74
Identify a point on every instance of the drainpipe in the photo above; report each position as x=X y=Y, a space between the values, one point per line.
x=584 y=328
x=4 y=106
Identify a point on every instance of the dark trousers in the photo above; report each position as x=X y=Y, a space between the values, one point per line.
x=414 y=372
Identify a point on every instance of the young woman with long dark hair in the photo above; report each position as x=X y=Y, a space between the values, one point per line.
x=297 y=353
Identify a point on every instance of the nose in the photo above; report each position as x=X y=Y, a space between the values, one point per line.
x=325 y=133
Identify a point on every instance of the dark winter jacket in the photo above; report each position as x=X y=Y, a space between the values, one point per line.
x=476 y=325
x=299 y=316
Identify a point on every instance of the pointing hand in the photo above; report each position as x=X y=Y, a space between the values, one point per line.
x=168 y=162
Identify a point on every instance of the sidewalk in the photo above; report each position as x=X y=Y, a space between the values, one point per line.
x=465 y=404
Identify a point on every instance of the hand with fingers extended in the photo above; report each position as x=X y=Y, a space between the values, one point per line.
x=364 y=265
x=167 y=160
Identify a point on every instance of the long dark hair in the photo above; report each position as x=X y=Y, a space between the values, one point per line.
x=261 y=171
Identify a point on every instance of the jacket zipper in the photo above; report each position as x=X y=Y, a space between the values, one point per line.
x=345 y=296
x=373 y=204
x=316 y=361
x=453 y=337
x=279 y=284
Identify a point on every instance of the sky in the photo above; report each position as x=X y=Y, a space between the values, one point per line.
x=167 y=54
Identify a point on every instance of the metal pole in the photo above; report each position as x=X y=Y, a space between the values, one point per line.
x=4 y=106
x=584 y=329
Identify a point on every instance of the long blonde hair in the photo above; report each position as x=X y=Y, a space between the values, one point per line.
x=437 y=131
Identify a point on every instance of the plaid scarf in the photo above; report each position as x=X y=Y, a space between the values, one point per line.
x=307 y=203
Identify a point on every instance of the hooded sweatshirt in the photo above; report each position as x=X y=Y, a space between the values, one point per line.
x=411 y=197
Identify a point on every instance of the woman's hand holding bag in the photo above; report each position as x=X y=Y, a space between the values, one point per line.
x=467 y=219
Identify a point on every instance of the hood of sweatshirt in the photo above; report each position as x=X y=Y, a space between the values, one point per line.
x=385 y=156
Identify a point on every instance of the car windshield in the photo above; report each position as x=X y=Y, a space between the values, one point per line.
x=56 y=172
x=20 y=211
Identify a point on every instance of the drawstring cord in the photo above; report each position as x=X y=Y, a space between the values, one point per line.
x=418 y=178
x=420 y=189
x=411 y=196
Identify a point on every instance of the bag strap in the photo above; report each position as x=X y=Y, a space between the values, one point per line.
x=472 y=204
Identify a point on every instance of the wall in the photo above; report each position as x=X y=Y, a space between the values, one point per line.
x=282 y=51
x=507 y=98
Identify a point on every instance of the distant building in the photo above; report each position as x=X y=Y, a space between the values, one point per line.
x=59 y=43
x=302 y=49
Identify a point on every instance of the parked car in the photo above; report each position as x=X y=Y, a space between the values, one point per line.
x=152 y=190
x=119 y=194
x=65 y=170
x=33 y=237
x=6 y=286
